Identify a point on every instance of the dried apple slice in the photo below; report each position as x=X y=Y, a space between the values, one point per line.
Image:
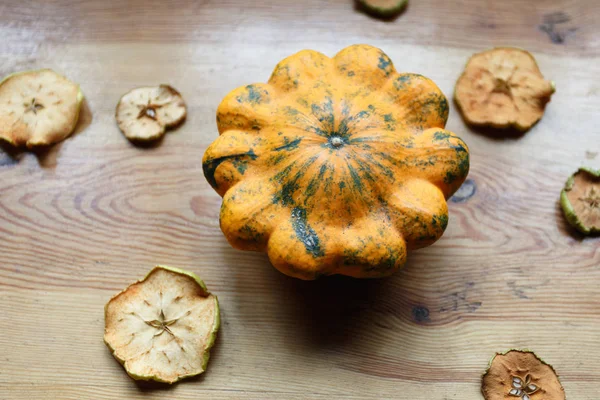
x=144 y=114
x=383 y=8
x=520 y=375
x=38 y=108
x=580 y=201
x=503 y=88
x=162 y=327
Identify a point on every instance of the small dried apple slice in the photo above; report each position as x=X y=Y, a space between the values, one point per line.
x=144 y=114
x=503 y=88
x=580 y=201
x=162 y=327
x=38 y=108
x=383 y=8
x=520 y=375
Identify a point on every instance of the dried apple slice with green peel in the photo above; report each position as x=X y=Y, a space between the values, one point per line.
x=38 y=108
x=144 y=114
x=580 y=201
x=383 y=8
x=163 y=327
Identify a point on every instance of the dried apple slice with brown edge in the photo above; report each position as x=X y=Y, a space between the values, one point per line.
x=162 y=327
x=38 y=108
x=520 y=374
x=503 y=88
x=144 y=114
x=580 y=200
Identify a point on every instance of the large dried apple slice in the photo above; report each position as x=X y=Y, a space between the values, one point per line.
x=580 y=201
x=520 y=375
x=38 y=108
x=144 y=114
x=162 y=327
x=503 y=88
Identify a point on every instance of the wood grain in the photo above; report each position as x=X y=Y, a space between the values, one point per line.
x=82 y=220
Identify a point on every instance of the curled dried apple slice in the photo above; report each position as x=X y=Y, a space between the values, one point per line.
x=38 y=108
x=144 y=114
x=520 y=375
x=503 y=88
x=580 y=201
x=162 y=327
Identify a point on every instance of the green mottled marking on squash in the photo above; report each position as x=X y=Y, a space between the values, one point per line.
x=324 y=112
x=355 y=178
x=284 y=173
x=460 y=147
x=329 y=180
x=401 y=82
x=385 y=64
x=343 y=131
x=408 y=142
x=427 y=237
x=302 y=101
x=443 y=221
x=282 y=68
x=387 y=171
x=253 y=95
x=210 y=166
x=291 y=111
x=439 y=136
x=342 y=185
x=285 y=196
x=365 y=169
x=275 y=160
x=314 y=183
x=393 y=256
x=289 y=145
x=251 y=233
x=450 y=177
x=345 y=109
x=387 y=157
x=362 y=114
x=240 y=165
x=463 y=165
x=305 y=233
x=390 y=121
x=424 y=107
x=285 y=70
x=444 y=109
x=351 y=73
x=383 y=205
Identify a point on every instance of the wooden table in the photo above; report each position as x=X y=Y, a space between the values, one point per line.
x=89 y=216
